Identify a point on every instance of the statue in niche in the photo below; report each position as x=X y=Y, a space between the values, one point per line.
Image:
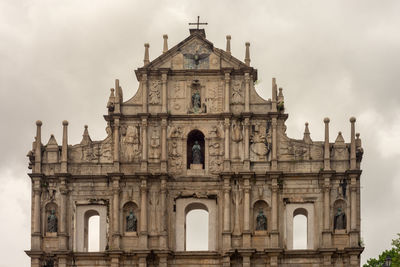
x=154 y=145
x=261 y=221
x=196 y=102
x=237 y=94
x=154 y=93
x=52 y=222
x=131 y=143
x=340 y=220
x=131 y=222
x=342 y=188
x=196 y=153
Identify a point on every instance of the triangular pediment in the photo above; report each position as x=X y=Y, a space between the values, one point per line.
x=195 y=52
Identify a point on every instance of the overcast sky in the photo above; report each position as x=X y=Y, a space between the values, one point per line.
x=336 y=59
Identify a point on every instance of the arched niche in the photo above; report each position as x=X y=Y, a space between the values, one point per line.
x=193 y=136
x=83 y=214
x=342 y=205
x=51 y=216
x=261 y=205
x=183 y=207
x=292 y=210
x=126 y=210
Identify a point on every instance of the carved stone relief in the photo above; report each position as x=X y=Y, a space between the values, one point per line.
x=130 y=144
x=175 y=161
x=214 y=97
x=154 y=92
x=237 y=138
x=177 y=97
x=196 y=55
x=237 y=92
x=216 y=153
x=155 y=144
x=259 y=148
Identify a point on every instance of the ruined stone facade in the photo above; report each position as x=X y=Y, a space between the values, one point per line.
x=196 y=136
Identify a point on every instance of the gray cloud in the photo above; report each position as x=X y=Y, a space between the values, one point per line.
x=333 y=58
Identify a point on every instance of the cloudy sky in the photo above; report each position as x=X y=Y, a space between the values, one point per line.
x=334 y=59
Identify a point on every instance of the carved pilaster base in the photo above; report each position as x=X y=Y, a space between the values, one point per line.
x=227 y=165
x=226 y=241
x=116 y=241
x=143 y=166
x=62 y=241
x=326 y=239
x=274 y=235
x=35 y=241
x=246 y=165
x=143 y=240
x=163 y=241
x=246 y=240
x=164 y=166
x=354 y=239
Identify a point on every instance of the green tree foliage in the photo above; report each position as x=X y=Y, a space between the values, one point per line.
x=394 y=252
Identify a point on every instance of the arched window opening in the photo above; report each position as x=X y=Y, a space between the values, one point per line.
x=300 y=231
x=92 y=231
x=196 y=228
x=195 y=149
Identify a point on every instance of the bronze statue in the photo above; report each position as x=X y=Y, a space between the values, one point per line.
x=196 y=101
x=52 y=222
x=131 y=222
x=196 y=153
x=261 y=221
x=340 y=220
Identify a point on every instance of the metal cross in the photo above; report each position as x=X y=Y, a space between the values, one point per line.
x=198 y=23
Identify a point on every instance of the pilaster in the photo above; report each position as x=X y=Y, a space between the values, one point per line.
x=143 y=234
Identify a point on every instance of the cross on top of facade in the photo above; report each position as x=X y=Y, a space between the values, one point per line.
x=198 y=23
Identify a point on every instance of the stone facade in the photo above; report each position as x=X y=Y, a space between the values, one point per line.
x=143 y=178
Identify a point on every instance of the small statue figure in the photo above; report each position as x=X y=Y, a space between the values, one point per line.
x=340 y=220
x=196 y=153
x=343 y=186
x=261 y=221
x=52 y=222
x=196 y=101
x=131 y=222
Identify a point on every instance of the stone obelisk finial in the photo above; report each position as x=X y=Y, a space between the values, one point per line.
x=38 y=148
x=146 y=54
x=165 y=47
x=353 y=165
x=327 y=163
x=306 y=137
x=228 y=44
x=247 y=57
x=274 y=95
x=64 y=151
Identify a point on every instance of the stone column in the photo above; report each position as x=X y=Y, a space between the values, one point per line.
x=163 y=262
x=227 y=91
x=114 y=259
x=226 y=262
x=246 y=213
x=246 y=124
x=327 y=164
x=36 y=234
x=116 y=212
x=38 y=148
x=143 y=214
x=164 y=92
x=247 y=92
x=164 y=159
x=63 y=233
x=246 y=260
x=226 y=233
x=353 y=211
x=64 y=151
x=116 y=145
x=35 y=261
x=144 y=144
x=142 y=261
x=164 y=214
x=274 y=224
x=352 y=145
x=227 y=126
x=326 y=233
x=274 y=162
x=144 y=93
